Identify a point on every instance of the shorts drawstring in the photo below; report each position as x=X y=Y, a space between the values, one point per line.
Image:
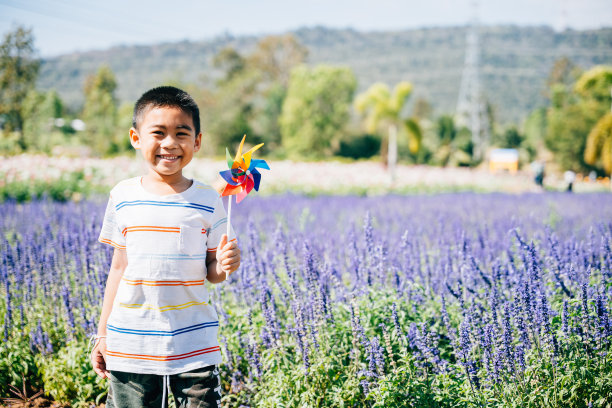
x=91 y=344
x=165 y=390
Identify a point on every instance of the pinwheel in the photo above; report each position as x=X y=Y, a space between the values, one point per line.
x=242 y=176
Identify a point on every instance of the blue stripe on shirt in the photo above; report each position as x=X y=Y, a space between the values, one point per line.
x=163 y=204
x=162 y=332
x=220 y=222
x=169 y=256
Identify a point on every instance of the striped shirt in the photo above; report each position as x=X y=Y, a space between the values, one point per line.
x=161 y=321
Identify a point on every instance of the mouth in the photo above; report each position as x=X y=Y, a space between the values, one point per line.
x=168 y=157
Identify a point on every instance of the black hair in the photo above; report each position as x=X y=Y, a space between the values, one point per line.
x=166 y=96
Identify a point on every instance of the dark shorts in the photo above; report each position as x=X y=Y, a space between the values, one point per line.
x=199 y=388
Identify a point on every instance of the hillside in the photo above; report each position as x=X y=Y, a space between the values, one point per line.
x=515 y=62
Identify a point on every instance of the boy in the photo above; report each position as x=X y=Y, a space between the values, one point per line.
x=157 y=329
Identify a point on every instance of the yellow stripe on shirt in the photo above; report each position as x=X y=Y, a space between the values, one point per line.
x=147 y=306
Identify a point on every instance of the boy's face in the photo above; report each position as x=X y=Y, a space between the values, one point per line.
x=167 y=140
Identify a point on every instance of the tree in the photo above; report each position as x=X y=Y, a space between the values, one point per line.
x=100 y=110
x=228 y=118
x=231 y=62
x=18 y=73
x=574 y=113
x=250 y=94
x=564 y=72
x=596 y=85
x=566 y=133
x=454 y=144
x=275 y=56
x=316 y=109
x=422 y=109
x=40 y=111
x=511 y=138
x=599 y=143
x=534 y=129
x=383 y=108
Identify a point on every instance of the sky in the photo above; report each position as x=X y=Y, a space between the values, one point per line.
x=65 y=26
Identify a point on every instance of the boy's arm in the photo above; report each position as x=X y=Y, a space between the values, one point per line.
x=225 y=259
x=118 y=265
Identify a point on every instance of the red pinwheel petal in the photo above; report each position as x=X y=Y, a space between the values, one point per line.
x=240 y=179
x=231 y=190
x=241 y=196
x=249 y=183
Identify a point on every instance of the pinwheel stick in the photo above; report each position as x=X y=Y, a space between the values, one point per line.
x=241 y=177
x=229 y=218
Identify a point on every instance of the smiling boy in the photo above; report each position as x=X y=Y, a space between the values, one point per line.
x=157 y=329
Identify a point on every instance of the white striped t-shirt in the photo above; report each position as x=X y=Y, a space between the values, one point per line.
x=161 y=321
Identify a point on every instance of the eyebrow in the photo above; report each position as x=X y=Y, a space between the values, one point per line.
x=182 y=126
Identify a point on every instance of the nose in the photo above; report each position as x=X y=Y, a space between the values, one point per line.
x=169 y=142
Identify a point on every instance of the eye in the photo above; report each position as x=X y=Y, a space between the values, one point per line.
x=158 y=132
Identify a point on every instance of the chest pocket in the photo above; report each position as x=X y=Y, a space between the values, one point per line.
x=191 y=240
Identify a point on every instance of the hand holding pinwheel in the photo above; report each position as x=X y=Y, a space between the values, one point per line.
x=242 y=176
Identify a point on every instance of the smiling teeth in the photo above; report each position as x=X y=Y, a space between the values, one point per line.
x=169 y=157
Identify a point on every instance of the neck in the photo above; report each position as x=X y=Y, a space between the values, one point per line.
x=174 y=182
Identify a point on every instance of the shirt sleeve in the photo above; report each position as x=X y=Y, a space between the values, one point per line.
x=219 y=227
x=110 y=233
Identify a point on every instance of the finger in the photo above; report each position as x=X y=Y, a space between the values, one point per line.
x=222 y=242
x=230 y=260
x=232 y=253
x=230 y=245
x=103 y=370
x=230 y=264
x=98 y=370
x=231 y=269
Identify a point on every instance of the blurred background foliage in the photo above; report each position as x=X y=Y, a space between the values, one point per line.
x=276 y=90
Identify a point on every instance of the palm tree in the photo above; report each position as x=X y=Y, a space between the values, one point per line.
x=383 y=108
x=596 y=84
x=599 y=143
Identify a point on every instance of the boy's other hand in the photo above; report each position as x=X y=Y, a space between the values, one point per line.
x=98 y=358
x=228 y=255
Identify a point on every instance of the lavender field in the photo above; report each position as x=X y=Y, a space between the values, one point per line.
x=457 y=300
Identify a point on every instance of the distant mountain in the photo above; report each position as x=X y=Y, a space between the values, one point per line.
x=515 y=62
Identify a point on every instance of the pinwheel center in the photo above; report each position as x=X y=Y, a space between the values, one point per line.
x=248 y=172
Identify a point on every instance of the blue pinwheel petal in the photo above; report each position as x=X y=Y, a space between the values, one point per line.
x=258 y=163
x=256 y=179
x=227 y=176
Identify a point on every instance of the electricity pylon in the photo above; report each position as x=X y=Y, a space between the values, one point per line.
x=471 y=109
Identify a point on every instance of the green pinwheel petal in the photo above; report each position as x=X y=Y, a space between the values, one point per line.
x=230 y=161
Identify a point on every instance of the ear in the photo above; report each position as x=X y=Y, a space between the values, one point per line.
x=198 y=142
x=134 y=138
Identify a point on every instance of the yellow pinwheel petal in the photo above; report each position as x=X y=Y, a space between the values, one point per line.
x=239 y=152
x=247 y=155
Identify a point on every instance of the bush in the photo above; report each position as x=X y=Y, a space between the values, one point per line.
x=359 y=147
x=18 y=366
x=69 y=186
x=69 y=378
